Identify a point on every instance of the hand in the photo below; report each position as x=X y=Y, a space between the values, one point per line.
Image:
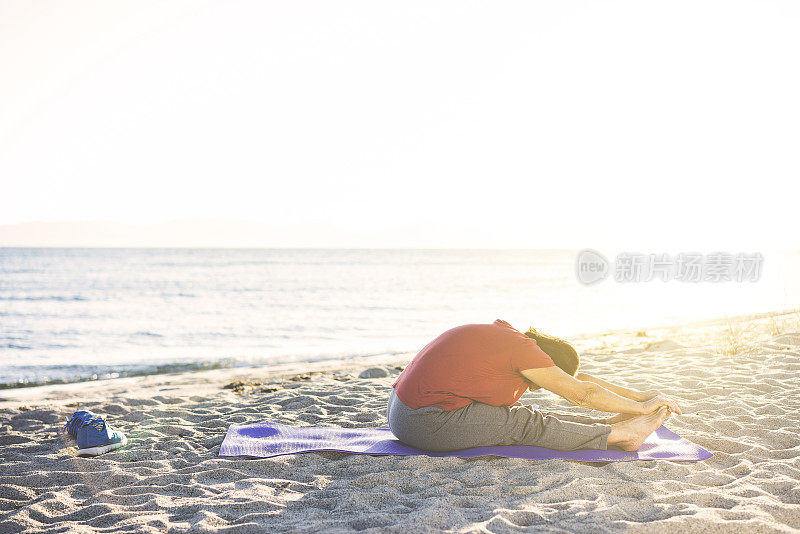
x=659 y=401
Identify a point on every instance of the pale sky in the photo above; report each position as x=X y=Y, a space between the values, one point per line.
x=558 y=124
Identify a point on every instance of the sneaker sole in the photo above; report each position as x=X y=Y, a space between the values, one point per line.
x=96 y=451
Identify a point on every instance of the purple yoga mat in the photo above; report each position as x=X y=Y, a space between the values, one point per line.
x=263 y=440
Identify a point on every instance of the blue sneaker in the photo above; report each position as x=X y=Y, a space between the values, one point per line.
x=96 y=437
x=77 y=420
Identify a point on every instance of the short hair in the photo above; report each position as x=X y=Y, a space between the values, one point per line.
x=562 y=353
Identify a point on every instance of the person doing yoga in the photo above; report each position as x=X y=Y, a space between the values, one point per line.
x=462 y=391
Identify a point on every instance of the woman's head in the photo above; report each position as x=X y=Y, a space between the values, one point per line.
x=562 y=353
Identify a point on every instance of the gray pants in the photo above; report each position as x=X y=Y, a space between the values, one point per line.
x=482 y=425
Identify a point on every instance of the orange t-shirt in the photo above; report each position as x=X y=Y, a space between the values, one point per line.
x=473 y=362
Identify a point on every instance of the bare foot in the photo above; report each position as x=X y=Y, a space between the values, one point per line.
x=619 y=418
x=629 y=435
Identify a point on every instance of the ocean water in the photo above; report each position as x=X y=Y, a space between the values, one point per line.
x=75 y=314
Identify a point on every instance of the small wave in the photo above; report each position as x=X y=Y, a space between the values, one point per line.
x=147 y=334
x=74 y=374
x=17 y=346
x=60 y=298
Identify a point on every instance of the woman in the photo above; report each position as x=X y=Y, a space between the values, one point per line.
x=461 y=391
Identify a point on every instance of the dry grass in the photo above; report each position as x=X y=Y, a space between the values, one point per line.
x=775 y=327
x=733 y=342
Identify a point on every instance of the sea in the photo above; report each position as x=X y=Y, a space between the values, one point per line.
x=73 y=314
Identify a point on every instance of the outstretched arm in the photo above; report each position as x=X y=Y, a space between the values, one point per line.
x=580 y=393
x=619 y=390
x=641 y=396
x=593 y=395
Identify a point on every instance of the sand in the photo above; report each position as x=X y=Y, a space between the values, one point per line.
x=737 y=380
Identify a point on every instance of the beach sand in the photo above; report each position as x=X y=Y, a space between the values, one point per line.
x=737 y=380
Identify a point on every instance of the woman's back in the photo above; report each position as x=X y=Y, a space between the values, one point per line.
x=474 y=362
